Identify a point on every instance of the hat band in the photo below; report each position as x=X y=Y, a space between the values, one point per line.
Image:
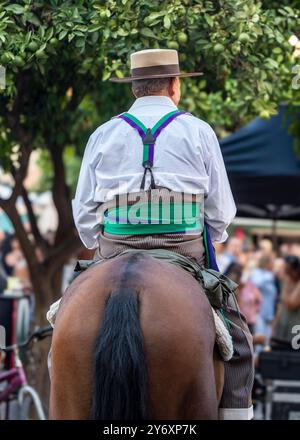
x=156 y=70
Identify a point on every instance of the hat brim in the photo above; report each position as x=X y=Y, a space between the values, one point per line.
x=167 y=75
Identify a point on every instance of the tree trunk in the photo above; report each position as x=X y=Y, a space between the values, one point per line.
x=46 y=287
x=37 y=368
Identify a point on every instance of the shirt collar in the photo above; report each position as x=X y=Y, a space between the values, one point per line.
x=164 y=101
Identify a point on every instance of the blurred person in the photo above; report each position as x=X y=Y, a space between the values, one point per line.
x=295 y=249
x=285 y=249
x=50 y=237
x=246 y=258
x=278 y=266
x=231 y=253
x=250 y=302
x=19 y=273
x=240 y=233
x=3 y=280
x=249 y=260
x=288 y=313
x=249 y=299
x=14 y=255
x=219 y=248
x=5 y=250
x=243 y=258
x=3 y=275
x=2 y=237
x=264 y=279
x=234 y=271
x=17 y=264
x=277 y=271
x=265 y=246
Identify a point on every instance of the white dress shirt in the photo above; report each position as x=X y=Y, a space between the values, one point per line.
x=187 y=158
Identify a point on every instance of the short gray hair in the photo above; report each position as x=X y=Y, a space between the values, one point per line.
x=146 y=87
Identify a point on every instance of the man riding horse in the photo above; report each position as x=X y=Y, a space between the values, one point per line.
x=152 y=155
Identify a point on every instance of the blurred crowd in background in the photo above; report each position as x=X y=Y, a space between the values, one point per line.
x=269 y=287
x=14 y=274
x=13 y=266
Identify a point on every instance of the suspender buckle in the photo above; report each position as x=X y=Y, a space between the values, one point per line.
x=147 y=164
x=149 y=138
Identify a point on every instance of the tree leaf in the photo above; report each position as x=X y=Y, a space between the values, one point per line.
x=146 y=32
x=167 y=22
x=62 y=34
x=209 y=20
x=119 y=74
x=16 y=9
x=49 y=33
x=32 y=18
x=80 y=42
x=95 y=27
x=122 y=33
x=106 y=75
x=28 y=37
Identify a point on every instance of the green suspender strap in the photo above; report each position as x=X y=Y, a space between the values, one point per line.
x=149 y=136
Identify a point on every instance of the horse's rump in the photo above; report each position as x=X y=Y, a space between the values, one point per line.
x=166 y=356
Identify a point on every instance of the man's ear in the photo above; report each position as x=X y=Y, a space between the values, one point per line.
x=133 y=92
x=171 y=87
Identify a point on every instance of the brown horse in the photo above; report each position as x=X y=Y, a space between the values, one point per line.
x=153 y=357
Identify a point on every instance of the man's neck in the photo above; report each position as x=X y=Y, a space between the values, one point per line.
x=162 y=94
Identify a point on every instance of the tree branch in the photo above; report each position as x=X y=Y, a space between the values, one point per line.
x=39 y=239
x=22 y=137
x=61 y=194
x=61 y=253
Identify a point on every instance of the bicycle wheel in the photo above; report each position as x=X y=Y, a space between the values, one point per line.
x=31 y=407
x=26 y=408
x=23 y=324
x=9 y=410
x=3 y=410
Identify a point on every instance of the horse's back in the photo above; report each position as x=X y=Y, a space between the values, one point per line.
x=177 y=322
x=178 y=332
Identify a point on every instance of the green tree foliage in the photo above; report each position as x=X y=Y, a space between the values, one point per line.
x=59 y=55
x=240 y=45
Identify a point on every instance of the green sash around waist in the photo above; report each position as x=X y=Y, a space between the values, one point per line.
x=145 y=218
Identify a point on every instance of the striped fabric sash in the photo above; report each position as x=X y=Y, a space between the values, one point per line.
x=154 y=218
x=149 y=136
x=117 y=221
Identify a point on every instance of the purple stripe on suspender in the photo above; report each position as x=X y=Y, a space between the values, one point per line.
x=158 y=131
x=166 y=122
x=133 y=124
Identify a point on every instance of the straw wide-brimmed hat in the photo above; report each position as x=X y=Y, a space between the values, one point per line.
x=154 y=63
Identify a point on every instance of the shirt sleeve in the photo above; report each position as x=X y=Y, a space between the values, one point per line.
x=84 y=207
x=219 y=206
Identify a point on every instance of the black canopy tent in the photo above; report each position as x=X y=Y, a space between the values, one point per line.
x=263 y=168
